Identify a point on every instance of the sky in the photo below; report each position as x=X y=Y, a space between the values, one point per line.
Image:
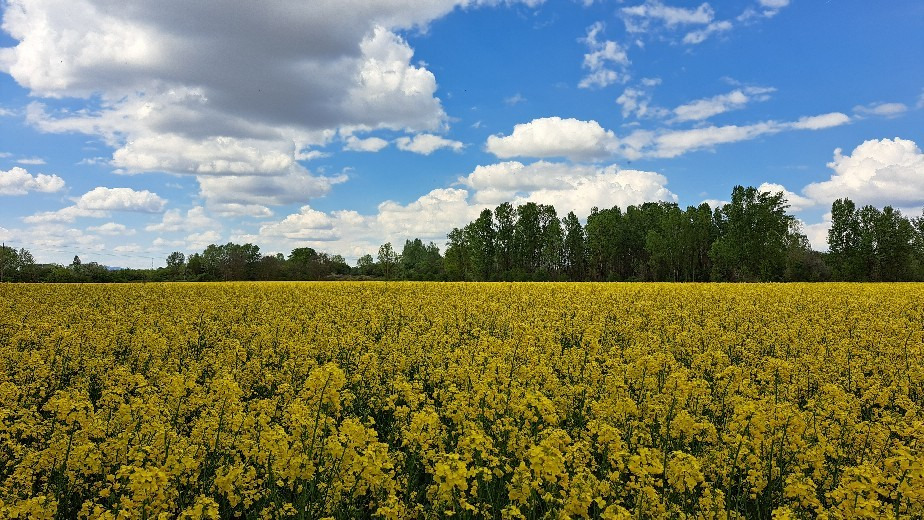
x=130 y=129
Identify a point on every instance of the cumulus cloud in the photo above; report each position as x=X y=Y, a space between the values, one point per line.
x=602 y=58
x=121 y=199
x=310 y=73
x=18 y=181
x=881 y=109
x=307 y=224
x=425 y=144
x=370 y=144
x=201 y=240
x=554 y=137
x=708 y=107
x=568 y=187
x=112 y=229
x=175 y=220
x=249 y=190
x=797 y=203
x=98 y=202
x=878 y=171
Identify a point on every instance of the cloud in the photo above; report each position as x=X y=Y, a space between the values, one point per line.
x=121 y=199
x=601 y=59
x=232 y=209
x=554 y=137
x=568 y=187
x=370 y=144
x=514 y=99
x=200 y=240
x=797 y=203
x=708 y=107
x=772 y=7
x=98 y=202
x=248 y=190
x=881 y=109
x=699 y=36
x=425 y=144
x=310 y=74
x=18 y=181
x=638 y=18
x=879 y=172
x=307 y=224
x=672 y=143
x=112 y=229
x=820 y=121
x=174 y=220
x=34 y=161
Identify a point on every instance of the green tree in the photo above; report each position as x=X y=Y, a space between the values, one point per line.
x=575 y=248
x=388 y=260
x=754 y=234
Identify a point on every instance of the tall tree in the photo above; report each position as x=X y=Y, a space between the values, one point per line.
x=575 y=248
x=754 y=229
x=388 y=259
x=505 y=222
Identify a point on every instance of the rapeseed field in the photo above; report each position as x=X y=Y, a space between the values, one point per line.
x=440 y=400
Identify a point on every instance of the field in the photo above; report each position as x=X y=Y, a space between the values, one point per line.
x=425 y=400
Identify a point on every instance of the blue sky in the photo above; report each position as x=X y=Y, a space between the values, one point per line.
x=129 y=131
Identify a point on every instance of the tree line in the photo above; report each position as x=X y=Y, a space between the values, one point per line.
x=750 y=238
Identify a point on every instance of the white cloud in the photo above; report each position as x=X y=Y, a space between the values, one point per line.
x=174 y=220
x=881 y=109
x=425 y=144
x=200 y=240
x=232 y=209
x=638 y=18
x=797 y=203
x=121 y=199
x=772 y=7
x=879 y=172
x=699 y=36
x=514 y=99
x=18 y=181
x=370 y=144
x=708 y=107
x=295 y=188
x=554 y=137
x=601 y=59
x=67 y=214
x=31 y=161
x=575 y=188
x=673 y=143
x=98 y=202
x=820 y=121
x=337 y=67
x=112 y=229
x=817 y=233
x=307 y=224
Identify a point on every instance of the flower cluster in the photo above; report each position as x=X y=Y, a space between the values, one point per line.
x=429 y=400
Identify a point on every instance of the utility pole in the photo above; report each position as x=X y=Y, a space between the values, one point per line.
x=3 y=265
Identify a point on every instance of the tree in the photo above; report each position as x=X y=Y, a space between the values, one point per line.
x=575 y=248
x=481 y=238
x=388 y=260
x=754 y=232
x=366 y=265
x=844 y=241
x=505 y=223
x=176 y=265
